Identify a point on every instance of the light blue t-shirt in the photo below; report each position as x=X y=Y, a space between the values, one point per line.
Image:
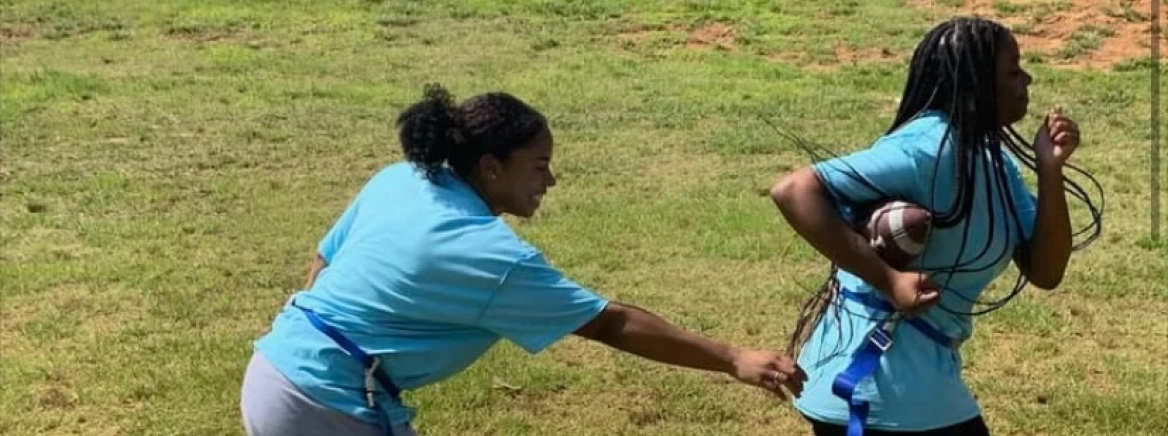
x=425 y=277
x=918 y=385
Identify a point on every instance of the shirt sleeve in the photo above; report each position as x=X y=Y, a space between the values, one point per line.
x=536 y=305
x=332 y=241
x=886 y=170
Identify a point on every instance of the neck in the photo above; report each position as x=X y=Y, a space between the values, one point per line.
x=476 y=183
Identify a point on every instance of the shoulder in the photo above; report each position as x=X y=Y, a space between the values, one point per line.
x=395 y=174
x=393 y=177
x=920 y=137
x=403 y=170
x=476 y=244
x=499 y=239
x=401 y=185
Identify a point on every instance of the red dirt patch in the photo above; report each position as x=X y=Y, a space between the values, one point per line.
x=713 y=36
x=716 y=35
x=1070 y=33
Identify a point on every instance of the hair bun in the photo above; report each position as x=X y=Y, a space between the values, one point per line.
x=429 y=129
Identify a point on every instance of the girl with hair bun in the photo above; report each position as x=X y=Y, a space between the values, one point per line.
x=420 y=276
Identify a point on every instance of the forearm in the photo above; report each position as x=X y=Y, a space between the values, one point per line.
x=804 y=203
x=636 y=331
x=1050 y=246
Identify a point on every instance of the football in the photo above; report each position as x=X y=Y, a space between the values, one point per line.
x=898 y=231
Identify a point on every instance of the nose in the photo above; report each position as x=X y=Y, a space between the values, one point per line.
x=551 y=179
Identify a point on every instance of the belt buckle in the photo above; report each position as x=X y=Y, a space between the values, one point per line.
x=881 y=335
x=880 y=338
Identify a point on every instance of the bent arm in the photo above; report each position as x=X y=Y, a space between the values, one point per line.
x=1050 y=247
x=637 y=331
x=805 y=203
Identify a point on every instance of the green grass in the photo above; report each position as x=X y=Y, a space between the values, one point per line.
x=1085 y=39
x=168 y=168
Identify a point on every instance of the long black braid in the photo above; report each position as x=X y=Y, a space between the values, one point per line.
x=953 y=71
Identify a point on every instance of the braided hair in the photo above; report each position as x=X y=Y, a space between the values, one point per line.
x=435 y=132
x=953 y=71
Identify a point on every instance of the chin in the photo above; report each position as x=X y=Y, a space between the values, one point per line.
x=526 y=212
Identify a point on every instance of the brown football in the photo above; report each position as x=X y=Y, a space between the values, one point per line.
x=898 y=231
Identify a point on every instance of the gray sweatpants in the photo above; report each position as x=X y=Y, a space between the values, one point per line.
x=272 y=405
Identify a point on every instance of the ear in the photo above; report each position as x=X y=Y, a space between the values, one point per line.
x=490 y=167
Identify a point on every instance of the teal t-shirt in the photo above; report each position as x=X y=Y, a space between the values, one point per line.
x=918 y=385
x=425 y=277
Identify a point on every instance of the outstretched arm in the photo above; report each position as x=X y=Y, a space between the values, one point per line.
x=537 y=306
x=637 y=331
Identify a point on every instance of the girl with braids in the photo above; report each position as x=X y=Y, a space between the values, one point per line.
x=420 y=276
x=887 y=359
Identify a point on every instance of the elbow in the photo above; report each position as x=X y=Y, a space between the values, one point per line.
x=1044 y=271
x=782 y=192
x=1045 y=276
x=1046 y=282
x=607 y=327
x=789 y=189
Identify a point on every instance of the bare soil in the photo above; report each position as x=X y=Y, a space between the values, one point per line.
x=715 y=35
x=1071 y=33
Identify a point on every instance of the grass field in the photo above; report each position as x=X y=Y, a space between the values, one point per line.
x=168 y=168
